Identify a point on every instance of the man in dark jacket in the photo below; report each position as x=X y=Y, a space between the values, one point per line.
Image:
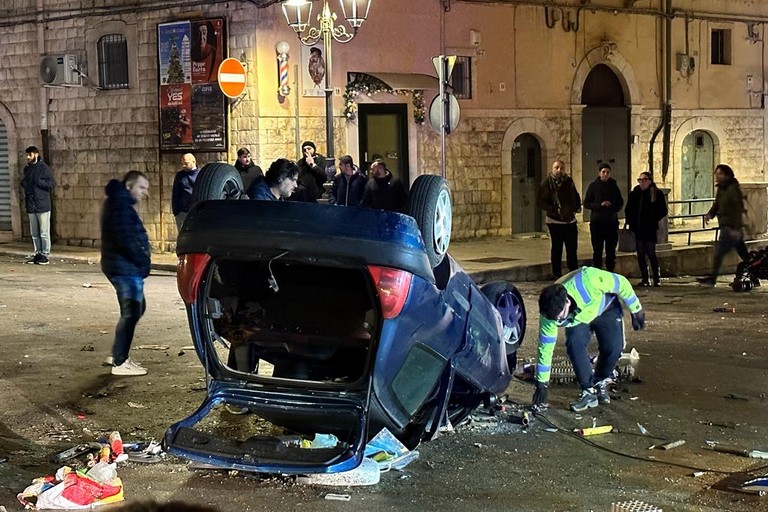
x=561 y=202
x=729 y=209
x=183 y=183
x=249 y=171
x=278 y=184
x=383 y=191
x=312 y=175
x=125 y=259
x=38 y=183
x=348 y=185
x=604 y=199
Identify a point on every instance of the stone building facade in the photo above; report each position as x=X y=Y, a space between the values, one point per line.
x=541 y=81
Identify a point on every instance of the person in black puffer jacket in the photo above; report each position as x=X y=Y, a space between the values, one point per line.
x=604 y=199
x=125 y=260
x=38 y=182
x=249 y=171
x=646 y=206
x=383 y=191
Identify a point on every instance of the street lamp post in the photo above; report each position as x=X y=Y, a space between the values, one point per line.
x=298 y=14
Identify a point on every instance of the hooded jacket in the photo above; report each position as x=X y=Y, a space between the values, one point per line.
x=125 y=247
x=38 y=182
x=728 y=205
x=599 y=191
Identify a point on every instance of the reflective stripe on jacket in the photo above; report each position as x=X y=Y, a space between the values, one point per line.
x=592 y=290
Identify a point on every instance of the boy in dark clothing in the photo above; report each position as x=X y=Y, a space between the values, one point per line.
x=604 y=199
x=561 y=202
x=38 y=183
x=125 y=260
x=729 y=209
x=383 y=191
x=248 y=170
x=348 y=185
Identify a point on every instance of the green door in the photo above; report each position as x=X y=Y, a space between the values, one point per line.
x=698 y=163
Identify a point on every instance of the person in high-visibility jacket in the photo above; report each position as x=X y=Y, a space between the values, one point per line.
x=584 y=301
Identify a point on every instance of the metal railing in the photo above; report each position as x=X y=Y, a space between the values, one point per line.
x=689 y=203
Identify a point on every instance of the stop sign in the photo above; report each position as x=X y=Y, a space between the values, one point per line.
x=232 y=78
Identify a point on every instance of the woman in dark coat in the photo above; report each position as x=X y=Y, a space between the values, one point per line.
x=646 y=206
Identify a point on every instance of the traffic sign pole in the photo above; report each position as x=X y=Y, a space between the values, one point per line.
x=443 y=117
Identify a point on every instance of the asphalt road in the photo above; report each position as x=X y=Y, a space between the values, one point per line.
x=703 y=376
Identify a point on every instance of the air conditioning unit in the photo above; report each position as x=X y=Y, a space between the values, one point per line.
x=59 y=70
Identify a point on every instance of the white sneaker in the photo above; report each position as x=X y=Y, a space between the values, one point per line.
x=129 y=368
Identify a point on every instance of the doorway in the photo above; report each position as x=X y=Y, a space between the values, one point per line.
x=605 y=128
x=698 y=163
x=5 y=181
x=383 y=130
x=526 y=176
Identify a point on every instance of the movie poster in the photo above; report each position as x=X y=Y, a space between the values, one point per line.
x=208 y=129
x=192 y=117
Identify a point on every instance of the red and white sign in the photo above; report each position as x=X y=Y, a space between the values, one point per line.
x=232 y=78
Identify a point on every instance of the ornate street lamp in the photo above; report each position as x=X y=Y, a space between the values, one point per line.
x=298 y=14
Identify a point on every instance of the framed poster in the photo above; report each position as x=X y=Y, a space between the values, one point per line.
x=193 y=110
x=312 y=70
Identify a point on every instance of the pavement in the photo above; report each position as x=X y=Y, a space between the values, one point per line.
x=512 y=258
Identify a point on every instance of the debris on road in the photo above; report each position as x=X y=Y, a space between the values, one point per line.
x=87 y=348
x=722 y=448
x=670 y=445
x=135 y=405
x=593 y=431
x=152 y=347
x=338 y=497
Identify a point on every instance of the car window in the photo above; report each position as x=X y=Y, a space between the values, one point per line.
x=416 y=379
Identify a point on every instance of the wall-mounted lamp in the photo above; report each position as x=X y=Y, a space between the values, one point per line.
x=282 y=48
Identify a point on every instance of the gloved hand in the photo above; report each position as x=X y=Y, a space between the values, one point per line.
x=638 y=320
x=540 y=397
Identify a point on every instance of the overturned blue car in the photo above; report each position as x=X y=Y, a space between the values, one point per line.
x=333 y=322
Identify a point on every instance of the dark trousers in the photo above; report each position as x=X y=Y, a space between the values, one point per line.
x=561 y=234
x=646 y=252
x=130 y=296
x=729 y=239
x=609 y=331
x=604 y=235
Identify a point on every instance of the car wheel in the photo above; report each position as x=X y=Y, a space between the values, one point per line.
x=508 y=301
x=217 y=181
x=430 y=205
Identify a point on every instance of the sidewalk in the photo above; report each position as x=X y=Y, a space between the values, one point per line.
x=509 y=258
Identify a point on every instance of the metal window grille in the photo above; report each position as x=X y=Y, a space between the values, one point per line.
x=113 y=62
x=461 y=78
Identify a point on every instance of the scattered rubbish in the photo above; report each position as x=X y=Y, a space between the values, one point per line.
x=722 y=448
x=188 y=347
x=550 y=429
x=116 y=444
x=584 y=432
x=726 y=424
x=633 y=506
x=478 y=445
x=3 y=305
x=135 y=405
x=389 y=452
x=3 y=460
x=338 y=497
x=759 y=485
x=81 y=415
x=87 y=285
x=75 y=451
x=181 y=353
x=643 y=430
x=367 y=473
x=68 y=489
x=87 y=348
x=697 y=474
x=634 y=398
x=734 y=396
x=522 y=419
x=152 y=347
x=669 y=445
x=103 y=332
x=724 y=309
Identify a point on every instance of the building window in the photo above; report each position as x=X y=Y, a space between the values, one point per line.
x=721 y=46
x=113 y=61
x=461 y=78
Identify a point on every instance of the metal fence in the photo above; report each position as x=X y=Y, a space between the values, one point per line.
x=688 y=215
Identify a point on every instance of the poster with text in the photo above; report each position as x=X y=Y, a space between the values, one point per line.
x=208 y=125
x=173 y=41
x=312 y=70
x=193 y=111
x=207 y=49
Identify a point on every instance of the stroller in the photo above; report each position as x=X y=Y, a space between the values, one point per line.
x=750 y=271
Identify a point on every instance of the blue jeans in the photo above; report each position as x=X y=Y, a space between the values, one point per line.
x=609 y=331
x=40 y=230
x=130 y=296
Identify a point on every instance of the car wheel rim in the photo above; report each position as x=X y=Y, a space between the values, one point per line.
x=511 y=312
x=442 y=226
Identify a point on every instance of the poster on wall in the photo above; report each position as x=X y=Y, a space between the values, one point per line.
x=193 y=112
x=312 y=70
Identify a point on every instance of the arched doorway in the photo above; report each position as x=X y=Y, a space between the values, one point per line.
x=698 y=162
x=605 y=128
x=526 y=176
x=5 y=181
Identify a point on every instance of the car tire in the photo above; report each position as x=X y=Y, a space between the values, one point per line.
x=430 y=205
x=508 y=301
x=217 y=181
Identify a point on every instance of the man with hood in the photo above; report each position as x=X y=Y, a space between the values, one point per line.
x=312 y=174
x=383 y=191
x=249 y=171
x=729 y=209
x=604 y=199
x=38 y=183
x=348 y=185
x=125 y=260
